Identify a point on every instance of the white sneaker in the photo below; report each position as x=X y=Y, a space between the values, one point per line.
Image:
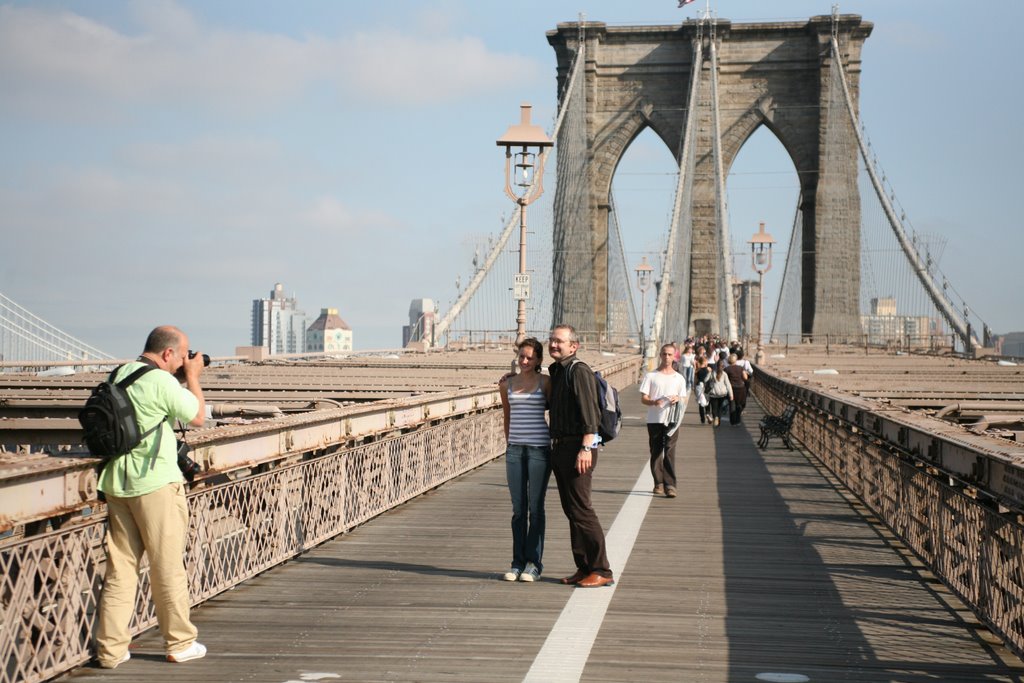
x=125 y=658
x=194 y=651
x=530 y=574
x=512 y=574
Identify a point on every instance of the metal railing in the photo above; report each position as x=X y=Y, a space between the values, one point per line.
x=50 y=584
x=973 y=544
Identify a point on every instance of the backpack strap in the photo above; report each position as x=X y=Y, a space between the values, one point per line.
x=130 y=380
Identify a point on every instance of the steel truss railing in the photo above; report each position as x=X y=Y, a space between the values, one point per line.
x=972 y=546
x=50 y=585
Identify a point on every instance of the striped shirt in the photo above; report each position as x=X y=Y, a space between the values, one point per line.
x=526 y=425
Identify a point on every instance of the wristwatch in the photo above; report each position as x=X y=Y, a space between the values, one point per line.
x=587 y=448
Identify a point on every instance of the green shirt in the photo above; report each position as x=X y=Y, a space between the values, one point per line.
x=158 y=399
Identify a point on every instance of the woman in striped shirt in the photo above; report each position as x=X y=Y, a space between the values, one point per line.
x=524 y=398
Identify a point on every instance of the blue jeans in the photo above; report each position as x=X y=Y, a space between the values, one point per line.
x=528 y=469
x=688 y=375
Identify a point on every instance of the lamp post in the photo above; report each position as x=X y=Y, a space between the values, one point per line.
x=761 y=261
x=522 y=188
x=643 y=283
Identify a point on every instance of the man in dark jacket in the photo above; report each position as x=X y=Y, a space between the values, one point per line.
x=574 y=416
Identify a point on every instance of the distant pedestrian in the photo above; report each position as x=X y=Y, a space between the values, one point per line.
x=524 y=399
x=687 y=363
x=660 y=391
x=719 y=392
x=738 y=380
x=700 y=378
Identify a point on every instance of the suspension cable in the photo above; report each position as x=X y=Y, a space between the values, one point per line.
x=684 y=159
x=945 y=308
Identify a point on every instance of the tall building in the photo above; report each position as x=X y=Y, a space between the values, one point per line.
x=278 y=325
x=885 y=325
x=421 y=322
x=329 y=333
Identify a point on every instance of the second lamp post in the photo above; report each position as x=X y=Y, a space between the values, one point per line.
x=761 y=261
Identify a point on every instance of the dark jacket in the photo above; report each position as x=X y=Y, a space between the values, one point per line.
x=574 y=409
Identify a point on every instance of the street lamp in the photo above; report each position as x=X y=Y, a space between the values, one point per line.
x=643 y=283
x=521 y=187
x=761 y=261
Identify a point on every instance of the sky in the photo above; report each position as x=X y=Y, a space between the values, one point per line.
x=168 y=161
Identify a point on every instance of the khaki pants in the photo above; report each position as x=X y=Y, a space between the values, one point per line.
x=156 y=524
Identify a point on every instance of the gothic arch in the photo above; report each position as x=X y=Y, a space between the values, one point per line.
x=771 y=74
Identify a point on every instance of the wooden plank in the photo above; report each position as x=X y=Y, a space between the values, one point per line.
x=760 y=565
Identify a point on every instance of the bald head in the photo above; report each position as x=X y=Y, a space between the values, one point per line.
x=163 y=337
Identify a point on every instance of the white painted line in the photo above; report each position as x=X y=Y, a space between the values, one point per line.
x=567 y=648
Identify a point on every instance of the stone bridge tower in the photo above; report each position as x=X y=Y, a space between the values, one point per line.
x=771 y=74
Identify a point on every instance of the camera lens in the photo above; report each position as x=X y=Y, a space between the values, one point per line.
x=189 y=467
x=206 y=358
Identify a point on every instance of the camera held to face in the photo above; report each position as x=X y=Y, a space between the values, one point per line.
x=206 y=358
x=189 y=467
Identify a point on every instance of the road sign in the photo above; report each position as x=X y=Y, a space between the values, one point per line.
x=521 y=286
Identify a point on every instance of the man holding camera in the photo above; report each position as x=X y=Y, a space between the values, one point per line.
x=146 y=506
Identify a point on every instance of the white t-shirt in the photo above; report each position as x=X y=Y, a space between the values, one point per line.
x=659 y=385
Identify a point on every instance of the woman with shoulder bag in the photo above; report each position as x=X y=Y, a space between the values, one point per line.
x=719 y=392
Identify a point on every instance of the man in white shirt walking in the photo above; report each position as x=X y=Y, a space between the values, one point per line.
x=660 y=391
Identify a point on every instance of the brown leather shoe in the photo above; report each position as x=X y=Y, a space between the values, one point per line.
x=670 y=492
x=658 y=489
x=595 y=581
x=575 y=578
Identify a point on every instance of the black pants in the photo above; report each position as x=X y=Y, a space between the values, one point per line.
x=739 y=402
x=663 y=454
x=719 y=406
x=585 y=533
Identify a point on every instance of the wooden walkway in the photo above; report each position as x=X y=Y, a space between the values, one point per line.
x=760 y=568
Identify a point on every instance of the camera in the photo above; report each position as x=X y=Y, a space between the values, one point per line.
x=189 y=467
x=206 y=358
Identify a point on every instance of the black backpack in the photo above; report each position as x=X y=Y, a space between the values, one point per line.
x=108 y=418
x=608 y=404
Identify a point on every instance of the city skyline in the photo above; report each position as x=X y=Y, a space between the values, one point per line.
x=165 y=161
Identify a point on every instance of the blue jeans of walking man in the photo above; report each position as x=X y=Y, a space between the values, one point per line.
x=528 y=469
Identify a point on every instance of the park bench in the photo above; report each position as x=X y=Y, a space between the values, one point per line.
x=777 y=425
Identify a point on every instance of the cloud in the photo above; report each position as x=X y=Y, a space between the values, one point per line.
x=398 y=68
x=60 y=63
x=210 y=156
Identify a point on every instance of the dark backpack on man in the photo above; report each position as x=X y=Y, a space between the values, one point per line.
x=108 y=418
x=608 y=405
